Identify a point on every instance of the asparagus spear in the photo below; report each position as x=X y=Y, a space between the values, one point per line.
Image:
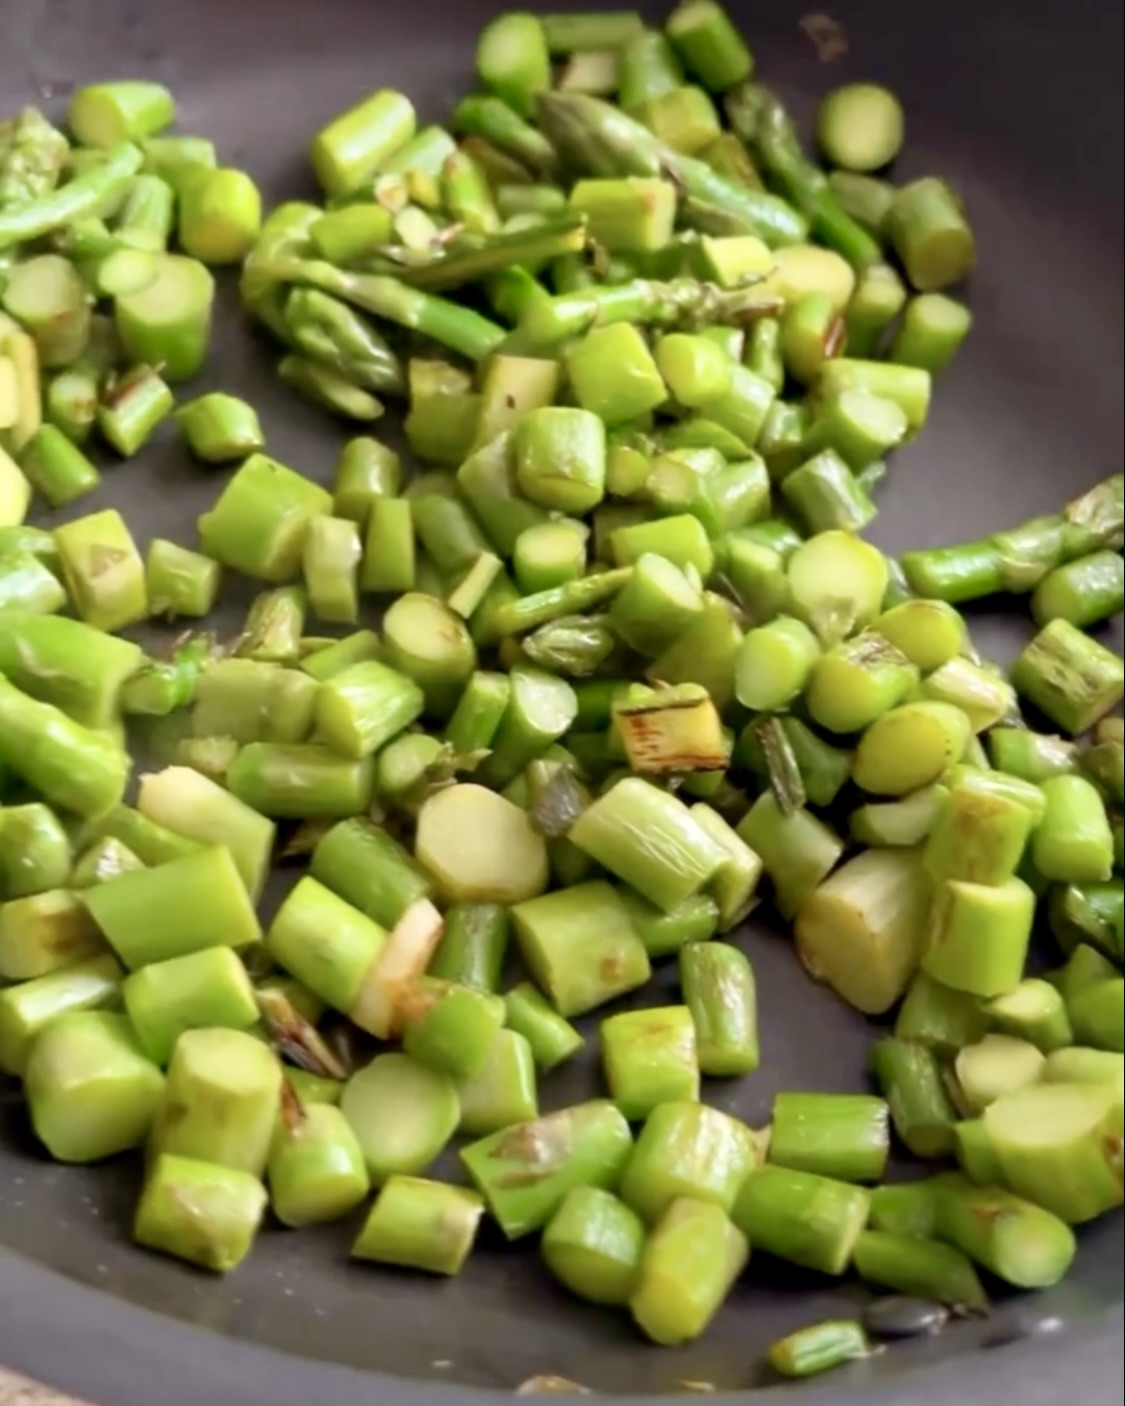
x=603 y=141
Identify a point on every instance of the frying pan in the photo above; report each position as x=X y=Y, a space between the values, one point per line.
x=1020 y=103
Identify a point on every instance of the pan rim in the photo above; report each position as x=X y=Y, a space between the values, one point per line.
x=111 y=1351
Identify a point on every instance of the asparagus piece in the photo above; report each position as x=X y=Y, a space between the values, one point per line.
x=940 y=1017
x=429 y=644
x=32 y=157
x=449 y=1027
x=925 y=1269
x=860 y=126
x=921 y=1110
x=909 y=747
x=58 y=468
x=480 y=848
x=326 y=943
x=1083 y=592
x=689 y=1264
x=856 y=682
x=927 y=226
x=220 y=215
x=392 y=299
x=844 y=1136
x=709 y=44
x=687 y=1149
x=67 y=764
x=27 y=1009
x=219 y=428
x=176 y=158
x=978 y=835
x=719 y=989
x=734 y=884
x=156 y=914
x=797 y=850
x=402 y=1113
x=1019 y=559
x=1020 y=1243
x=588 y=918
x=806 y=1219
x=577 y=33
x=420 y=1224
x=593 y=1245
x=370 y=870
x=103 y=571
x=199 y=1212
x=366 y=472
x=301 y=782
x=810 y=1351
x=648 y=839
x=45 y=932
x=364 y=707
x=908 y=1209
x=179 y=581
x=353 y=146
x=35 y=851
x=650 y=1059
x=380 y=1006
x=91 y=1092
x=1078 y=1065
x=551 y=1038
x=1098 y=1017
x=48 y=296
x=997 y=1065
x=759 y=118
x=220 y=1102
x=473 y=946
x=27 y=586
x=201 y=990
x=1073 y=843
x=525 y=1172
x=151 y=843
x=503 y=1092
x=332 y=333
x=259 y=523
x=193 y=806
x=316 y=1170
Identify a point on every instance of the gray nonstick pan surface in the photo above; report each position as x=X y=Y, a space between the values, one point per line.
x=1020 y=103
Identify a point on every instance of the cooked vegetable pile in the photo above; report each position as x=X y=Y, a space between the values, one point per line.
x=636 y=671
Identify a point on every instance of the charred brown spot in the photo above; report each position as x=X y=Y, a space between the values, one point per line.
x=292 y=1109
x=834 y=337
x=298 y=1041
x=828 y=36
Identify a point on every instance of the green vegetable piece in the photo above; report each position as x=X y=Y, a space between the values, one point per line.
x=202 y=990
x=719 y=988
x=90 y=1091
x=689 y=1265
x=525 y=1172
x=27 y=1009
x=186 y=905
x=259 y=524
x=402 y=1113
x=688 y=1149
x=593 y=917
x=316 y=1170
x=809 y=1220
x=844 y=1136
x=650 y=1059
x=199 y=1212
x=420 y=1224
x=593 y=1246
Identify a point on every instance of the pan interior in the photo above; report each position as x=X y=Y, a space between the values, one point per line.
x=1021 y=106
